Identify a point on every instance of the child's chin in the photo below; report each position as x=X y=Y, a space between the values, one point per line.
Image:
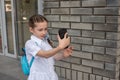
x=42 y=37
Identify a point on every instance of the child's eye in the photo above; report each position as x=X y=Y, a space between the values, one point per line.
x=40 y=29
x=43 y=29
x=46 y=28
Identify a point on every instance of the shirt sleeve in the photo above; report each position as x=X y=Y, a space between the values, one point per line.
x=32 y=48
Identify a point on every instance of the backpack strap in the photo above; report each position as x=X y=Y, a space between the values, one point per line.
x=31 y=61
x=23 y=49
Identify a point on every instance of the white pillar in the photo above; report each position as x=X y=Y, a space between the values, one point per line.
x=40 y=7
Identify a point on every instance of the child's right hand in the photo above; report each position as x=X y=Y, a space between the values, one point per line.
x=63 y=42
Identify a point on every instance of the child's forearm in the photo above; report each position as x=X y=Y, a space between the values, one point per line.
x=48 y=53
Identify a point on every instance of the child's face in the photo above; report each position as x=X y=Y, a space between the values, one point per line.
x=40 y=30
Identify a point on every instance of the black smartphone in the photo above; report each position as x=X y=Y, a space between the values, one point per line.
x=62 y=32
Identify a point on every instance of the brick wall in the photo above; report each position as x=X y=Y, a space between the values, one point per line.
x=94 y=29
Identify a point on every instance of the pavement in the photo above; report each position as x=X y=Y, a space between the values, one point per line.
x=10 y=69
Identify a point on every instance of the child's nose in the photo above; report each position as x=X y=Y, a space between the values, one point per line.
x=44 y=32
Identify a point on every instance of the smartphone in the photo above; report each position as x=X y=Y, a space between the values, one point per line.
x=62 y=32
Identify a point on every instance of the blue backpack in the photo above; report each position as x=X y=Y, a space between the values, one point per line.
x=24 y=63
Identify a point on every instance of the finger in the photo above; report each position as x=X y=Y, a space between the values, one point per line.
x=70 y=47
x=70 y=54
x=66 y=35
x=68 y=38
x=70 y=51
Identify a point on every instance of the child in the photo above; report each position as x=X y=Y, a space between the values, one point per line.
x=39 y=46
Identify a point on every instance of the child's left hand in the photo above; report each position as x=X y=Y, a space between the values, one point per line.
x=67 y=52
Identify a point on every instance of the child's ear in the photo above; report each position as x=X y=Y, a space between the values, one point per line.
x=31 y=29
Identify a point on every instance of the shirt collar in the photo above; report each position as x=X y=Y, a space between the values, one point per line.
x=36 y=39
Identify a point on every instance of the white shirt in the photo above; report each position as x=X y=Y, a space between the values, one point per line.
x=42 y=68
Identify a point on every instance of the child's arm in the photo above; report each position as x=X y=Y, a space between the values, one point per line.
x=48 y=53
x=62 y=44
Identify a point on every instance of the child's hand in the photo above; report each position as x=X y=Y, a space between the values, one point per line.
x=63 y=42
x=67 y=52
